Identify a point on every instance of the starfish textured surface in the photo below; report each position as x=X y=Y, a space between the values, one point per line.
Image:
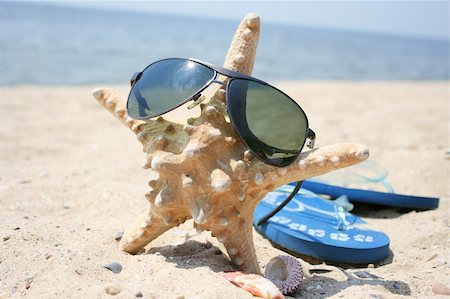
x=205 y=171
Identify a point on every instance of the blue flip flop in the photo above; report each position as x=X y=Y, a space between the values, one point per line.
x=367 y=174
x=312 y=226
x=373 y=197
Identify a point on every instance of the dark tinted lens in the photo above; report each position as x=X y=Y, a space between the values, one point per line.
x=166 y=84
x=273 y=126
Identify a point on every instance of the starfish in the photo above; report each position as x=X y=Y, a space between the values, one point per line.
x=205 y=171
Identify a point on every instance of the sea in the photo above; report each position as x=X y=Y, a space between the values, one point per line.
x=47 y=44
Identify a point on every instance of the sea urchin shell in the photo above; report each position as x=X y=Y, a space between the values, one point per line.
x=285 y=272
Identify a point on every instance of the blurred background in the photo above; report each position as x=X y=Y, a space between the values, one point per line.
x=86 y=42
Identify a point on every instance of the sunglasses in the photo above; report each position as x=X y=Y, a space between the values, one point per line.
x=269 y=122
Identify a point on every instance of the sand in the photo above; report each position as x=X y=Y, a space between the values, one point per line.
x=71 y=177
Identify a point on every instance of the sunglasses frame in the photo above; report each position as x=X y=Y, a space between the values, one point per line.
x=232 y=75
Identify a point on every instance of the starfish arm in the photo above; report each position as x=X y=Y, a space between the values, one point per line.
x=241 y=249
x=310 y=164
x=242 y=51
x=143 y=230
x=235 y=231
x=115 y=104
x=150 y=132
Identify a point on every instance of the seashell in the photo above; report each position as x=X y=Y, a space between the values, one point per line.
x=206 y=171
x=254 y=284
x=441 y=289
x=285 y=272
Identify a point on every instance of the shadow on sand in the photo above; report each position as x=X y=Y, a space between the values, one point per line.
x=193 y=254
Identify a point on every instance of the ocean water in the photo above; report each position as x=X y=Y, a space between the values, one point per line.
x=46 y=44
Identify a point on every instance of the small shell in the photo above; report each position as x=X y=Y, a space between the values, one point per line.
x=285 y=272
x=254 y=284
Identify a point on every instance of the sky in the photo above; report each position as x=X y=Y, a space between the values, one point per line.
x=411 y=18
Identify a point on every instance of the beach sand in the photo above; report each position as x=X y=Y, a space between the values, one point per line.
x=71 y=177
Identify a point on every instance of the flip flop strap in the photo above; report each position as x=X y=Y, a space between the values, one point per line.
x=372 y=197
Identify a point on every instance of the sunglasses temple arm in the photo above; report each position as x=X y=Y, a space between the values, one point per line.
x=282 y=205
x=312 y=138
x=232 y=74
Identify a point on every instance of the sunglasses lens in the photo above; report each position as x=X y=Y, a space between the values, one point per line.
x=164 y=85
x=272 y=125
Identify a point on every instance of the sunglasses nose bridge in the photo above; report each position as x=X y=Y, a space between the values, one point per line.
x=218 y=82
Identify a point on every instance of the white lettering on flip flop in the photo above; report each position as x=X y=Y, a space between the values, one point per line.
x=316 y=232
x=363 y=238
x=280 y=219
x=297 y=226
x=339 y=237
x=369 y=239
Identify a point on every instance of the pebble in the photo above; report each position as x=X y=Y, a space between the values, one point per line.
x=118 y=236
x=138 y=295
x=6 y=238
x=114 y=267
x=440 y=289
x=439 y=263
x=112 y=290
x=28 y=282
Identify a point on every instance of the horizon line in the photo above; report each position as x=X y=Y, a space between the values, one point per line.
x=79 y=5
